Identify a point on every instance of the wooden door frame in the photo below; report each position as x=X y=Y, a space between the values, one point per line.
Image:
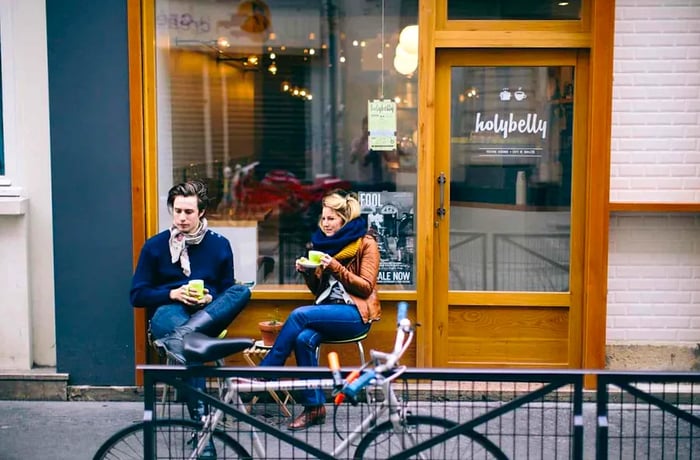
x=594 y=33
x=571 y=300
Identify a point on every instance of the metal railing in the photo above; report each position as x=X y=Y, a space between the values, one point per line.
x=499 y=413
x=515 y=261
x=648 y=415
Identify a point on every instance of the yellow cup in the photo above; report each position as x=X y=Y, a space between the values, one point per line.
x=196 y=287
x=315 y=257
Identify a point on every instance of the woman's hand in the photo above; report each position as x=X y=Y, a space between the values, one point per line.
x=326 y=260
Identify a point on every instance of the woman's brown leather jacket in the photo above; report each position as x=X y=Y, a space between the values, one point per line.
x=358 y=275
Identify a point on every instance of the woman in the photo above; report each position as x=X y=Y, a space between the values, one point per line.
x=345 y=286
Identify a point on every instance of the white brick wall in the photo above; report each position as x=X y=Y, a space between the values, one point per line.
x=654 y=279
x=654 y=260
x=656 y=102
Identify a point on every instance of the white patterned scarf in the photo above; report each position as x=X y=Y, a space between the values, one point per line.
x=179 y=242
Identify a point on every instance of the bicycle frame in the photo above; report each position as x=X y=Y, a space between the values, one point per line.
x=230 y=403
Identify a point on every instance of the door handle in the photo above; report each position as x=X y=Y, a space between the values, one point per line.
x=441 y=183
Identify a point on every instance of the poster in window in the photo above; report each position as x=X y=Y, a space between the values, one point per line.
x=390 y=216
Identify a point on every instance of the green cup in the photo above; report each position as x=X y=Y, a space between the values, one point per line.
x=196 y=287
x=315 y=257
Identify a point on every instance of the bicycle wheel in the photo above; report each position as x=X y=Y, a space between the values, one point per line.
x=382 y=442
x=174 y=439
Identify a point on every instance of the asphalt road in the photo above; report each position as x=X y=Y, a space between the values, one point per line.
x=60 y=430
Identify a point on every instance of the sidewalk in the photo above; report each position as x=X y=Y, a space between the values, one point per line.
x=61 y=430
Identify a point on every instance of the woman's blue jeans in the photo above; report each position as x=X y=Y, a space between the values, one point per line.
x=305 y=329
x=222 y=310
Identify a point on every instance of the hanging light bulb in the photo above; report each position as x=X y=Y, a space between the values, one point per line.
x=408 y=38
x=405 y=65
x=222 y=43
x=272 y=69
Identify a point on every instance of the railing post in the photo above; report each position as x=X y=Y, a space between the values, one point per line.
x=578 y=418
x=601 y=448
x=148 y=411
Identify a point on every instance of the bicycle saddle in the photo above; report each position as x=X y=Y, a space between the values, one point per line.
x=200 y=348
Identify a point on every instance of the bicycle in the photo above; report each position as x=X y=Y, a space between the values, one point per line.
x=388 y=430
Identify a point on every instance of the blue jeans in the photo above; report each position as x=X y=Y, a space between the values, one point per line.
x=303 y=332
x=222 y=310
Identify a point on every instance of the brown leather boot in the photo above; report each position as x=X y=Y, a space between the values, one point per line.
x=313 y=415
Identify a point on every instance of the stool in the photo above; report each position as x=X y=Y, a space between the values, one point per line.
x=356 y=340
x=253 y=356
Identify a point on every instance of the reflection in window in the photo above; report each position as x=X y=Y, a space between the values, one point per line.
x=513 y=9
x=512 y=134
x=510 y=178
x=266 y=101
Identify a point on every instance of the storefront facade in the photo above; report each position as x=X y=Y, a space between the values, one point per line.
x=490 y=180
x=483 y=209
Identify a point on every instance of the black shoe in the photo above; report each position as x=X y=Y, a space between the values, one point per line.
x=173 y=342
x=173 y=347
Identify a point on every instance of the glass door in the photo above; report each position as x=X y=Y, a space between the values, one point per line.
x=508 y=234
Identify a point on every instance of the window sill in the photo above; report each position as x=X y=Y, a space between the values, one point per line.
x=13 y=206
x=654 y=207
x=387 y=293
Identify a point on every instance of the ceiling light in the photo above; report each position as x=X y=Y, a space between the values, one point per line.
x=222 y=42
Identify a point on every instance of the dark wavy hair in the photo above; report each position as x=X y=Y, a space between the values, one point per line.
x=189 y=188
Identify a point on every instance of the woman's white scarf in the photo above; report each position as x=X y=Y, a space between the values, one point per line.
x=179 y=242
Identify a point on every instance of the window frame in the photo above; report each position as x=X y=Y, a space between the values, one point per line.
x=8 y=60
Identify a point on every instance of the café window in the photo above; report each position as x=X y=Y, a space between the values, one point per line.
x=273 y=104
x=513 y=9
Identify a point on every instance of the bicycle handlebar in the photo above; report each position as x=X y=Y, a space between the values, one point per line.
x=353 y=384
x=353 y=388
x=402 y=313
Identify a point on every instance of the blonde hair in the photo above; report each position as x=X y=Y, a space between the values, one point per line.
x=345 y=205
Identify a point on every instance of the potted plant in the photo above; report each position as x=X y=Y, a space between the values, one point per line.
x=270 y=328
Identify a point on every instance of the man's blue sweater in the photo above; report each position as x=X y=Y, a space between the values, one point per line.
x=155 y=275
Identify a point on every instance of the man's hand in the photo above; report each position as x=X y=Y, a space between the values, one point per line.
x=188 y=297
